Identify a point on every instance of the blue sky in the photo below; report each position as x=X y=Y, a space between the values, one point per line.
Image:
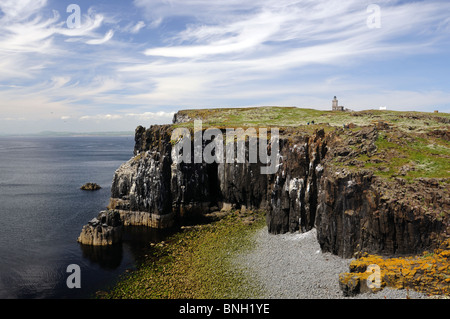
x=137 y=62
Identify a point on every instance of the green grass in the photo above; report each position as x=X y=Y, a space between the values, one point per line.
x=196 y=264
x=429 y=161
x=429 y=158
x=255 y=116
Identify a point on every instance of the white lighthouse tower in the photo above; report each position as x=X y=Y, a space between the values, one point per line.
x=335 y=106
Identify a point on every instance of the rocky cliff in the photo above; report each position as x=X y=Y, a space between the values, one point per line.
x=322 y=181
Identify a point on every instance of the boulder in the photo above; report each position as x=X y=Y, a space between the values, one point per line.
x=90 y=187
x=105 y=229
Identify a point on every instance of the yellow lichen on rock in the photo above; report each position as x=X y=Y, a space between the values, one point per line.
x=428 y=273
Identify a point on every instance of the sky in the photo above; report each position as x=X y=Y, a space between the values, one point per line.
x=111 y=65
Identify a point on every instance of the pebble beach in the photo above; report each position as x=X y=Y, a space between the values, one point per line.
x=292 y=266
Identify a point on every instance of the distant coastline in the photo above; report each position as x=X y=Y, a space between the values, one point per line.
x=70 y=134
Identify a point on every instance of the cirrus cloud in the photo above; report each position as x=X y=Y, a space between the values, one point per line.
x=130 y=63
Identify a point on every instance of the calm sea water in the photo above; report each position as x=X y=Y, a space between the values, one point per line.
x=42 y=211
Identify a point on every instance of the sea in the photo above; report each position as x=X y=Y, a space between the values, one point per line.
x=42 y=212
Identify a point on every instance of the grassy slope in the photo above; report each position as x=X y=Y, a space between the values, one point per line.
x=425 y=157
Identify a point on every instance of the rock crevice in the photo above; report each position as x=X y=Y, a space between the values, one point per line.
x=352 y=209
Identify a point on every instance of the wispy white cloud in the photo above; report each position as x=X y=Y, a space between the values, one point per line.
x=320 y=28
x=138 y=27
x=20 y=9
x=29 y=39
x=223 y=51
x=237 y=37
x=134 y=27
x=159 y=116
x=178 y=54
x=20 y=35
x=101 y=117
x=108 y=36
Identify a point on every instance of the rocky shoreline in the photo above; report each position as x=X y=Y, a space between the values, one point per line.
x=292 y=266
x=319 y=184
x=351 y=186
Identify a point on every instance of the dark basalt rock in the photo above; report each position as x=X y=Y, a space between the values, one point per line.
x=352 y=209
x=90 y=187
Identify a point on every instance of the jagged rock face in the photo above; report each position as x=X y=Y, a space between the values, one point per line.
x=141 y=189
x=151 y=182
x=293 y=188
x=353 y=210
x=180 y=118
x=360 y=212
x=158 y=190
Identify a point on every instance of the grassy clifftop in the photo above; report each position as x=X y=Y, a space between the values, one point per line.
x=295 y=117
x=407 y=144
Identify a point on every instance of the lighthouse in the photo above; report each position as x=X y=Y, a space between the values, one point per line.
x=335 y=106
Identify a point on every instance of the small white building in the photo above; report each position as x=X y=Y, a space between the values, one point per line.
x=335 y=106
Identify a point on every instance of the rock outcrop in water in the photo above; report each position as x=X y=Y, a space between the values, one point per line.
x=321 y=182
x=90 y=187
x=104 y=230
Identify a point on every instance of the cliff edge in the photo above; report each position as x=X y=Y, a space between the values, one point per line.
x=371 y=181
